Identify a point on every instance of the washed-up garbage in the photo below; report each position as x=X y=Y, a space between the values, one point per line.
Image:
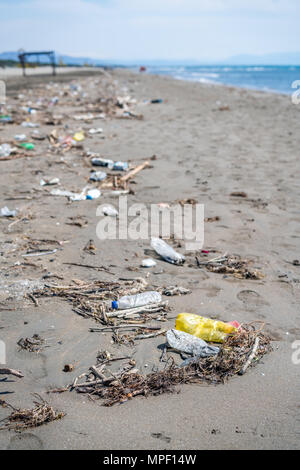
x=27 y=145
x=148 y=263
x=30 y=124
x=97 y=176
x=78 y=136
x=204 y=328
x=85 y=194
x=20 y=137
x=102 y=162
x=166 y=251
x=5 y=118
x=93 y=131
x=5 y=212
x=190 y=344
x=110 y=211
x=5 y=150
x=49 y=182
x=176 y=290
x=138 y=300
x=156 y=101
x=93 y=194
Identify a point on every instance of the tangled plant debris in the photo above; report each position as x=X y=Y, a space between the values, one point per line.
x=20 y=419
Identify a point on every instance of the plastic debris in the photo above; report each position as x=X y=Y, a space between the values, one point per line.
x=102 y=162
x=204 y=328
x=148 y=263
x=49 y=182
x=97 y=176
x=5 y=150
x=27 y=145
x=138 y=300
x=190 y=344
x=5 y=212
x=110 y=211
x=166 y=251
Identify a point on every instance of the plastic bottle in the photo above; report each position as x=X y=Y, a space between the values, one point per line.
x=120 y=166
x=138 y=300
x=166 y=251
x=204 y=328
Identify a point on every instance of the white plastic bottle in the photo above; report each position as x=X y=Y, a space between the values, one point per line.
x=138 y=300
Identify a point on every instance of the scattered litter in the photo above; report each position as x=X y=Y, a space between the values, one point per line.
x=19 y=419
x=148 y=263
x=204 y=328
x=166 y=251
x=49 y=182
x=109 y=211
x=97 y=176
x=5 y=212
x=138 y=300
x=190 y=344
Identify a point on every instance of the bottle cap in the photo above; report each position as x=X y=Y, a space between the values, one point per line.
x=114 y=304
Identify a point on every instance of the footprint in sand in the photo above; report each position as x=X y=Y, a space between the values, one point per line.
x=162 y=436
x=25 y=442
x=251 y=298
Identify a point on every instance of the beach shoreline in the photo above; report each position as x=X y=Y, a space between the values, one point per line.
x=209 y=141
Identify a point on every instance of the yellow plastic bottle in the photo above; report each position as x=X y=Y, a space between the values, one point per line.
x=204 y=328
x=78 y=136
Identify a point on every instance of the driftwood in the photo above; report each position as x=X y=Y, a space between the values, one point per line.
x=16 y=373
x=247 y=364
x=134 y=172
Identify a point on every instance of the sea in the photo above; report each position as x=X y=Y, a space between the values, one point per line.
x=271 y=78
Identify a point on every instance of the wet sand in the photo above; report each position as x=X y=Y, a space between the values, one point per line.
x=204 y=153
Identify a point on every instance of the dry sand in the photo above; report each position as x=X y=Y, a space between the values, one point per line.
x=202 y=153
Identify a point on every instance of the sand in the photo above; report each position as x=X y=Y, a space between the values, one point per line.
x=202 y=153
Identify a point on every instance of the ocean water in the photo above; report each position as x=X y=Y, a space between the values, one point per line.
x=267 y=78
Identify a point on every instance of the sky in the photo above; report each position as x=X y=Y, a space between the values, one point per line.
x=151 y=29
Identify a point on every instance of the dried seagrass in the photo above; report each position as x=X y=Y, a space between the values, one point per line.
x=247 y=344
x=19 y=419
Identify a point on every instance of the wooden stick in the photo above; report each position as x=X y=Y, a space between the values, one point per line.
x=133 y=172
x=247 y=364
x=16 y=373
x=151 y=335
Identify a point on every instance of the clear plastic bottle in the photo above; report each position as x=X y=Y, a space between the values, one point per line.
x=166 y=251
x=138 y=300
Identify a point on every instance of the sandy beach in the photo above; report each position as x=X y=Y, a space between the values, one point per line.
x=209 y=141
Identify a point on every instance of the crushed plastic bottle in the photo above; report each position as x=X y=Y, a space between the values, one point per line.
x=204 y=328
x=190 y=344
x=138 y=300
x=5 y=212
x=166 y=251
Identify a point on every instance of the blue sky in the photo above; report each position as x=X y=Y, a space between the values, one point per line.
x=151 y=29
